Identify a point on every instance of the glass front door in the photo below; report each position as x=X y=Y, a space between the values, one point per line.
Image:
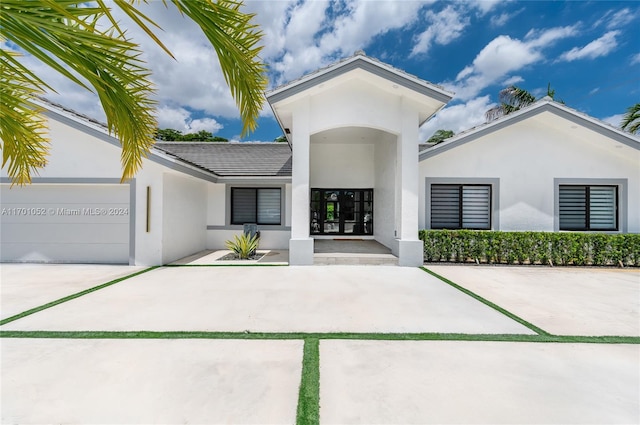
x=342 y=211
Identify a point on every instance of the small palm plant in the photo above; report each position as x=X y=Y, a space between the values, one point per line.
x=244 y=246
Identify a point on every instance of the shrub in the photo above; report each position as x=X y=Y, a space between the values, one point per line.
x=566 y=248
x=244 y=246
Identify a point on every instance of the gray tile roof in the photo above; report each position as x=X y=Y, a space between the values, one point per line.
x=233 y=159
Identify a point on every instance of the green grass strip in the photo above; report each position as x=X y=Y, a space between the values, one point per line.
x=309 y=396
x=607 y=339
x=226 y=265
x=488 y=303
x=71 y=297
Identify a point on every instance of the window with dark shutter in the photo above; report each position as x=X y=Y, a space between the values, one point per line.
x=460 y=206
x=588 y=207
x=255 y=205
x=268 y=206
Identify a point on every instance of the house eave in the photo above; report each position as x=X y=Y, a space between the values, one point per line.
x=100 y=131
x=537 y=108
x=364 y=63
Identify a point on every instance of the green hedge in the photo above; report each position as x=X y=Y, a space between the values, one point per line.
x=566 y=248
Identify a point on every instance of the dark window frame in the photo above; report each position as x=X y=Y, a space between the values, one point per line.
x=587 y=227
x=256 y=212
x=460 y=187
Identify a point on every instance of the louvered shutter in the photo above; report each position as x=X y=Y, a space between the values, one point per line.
x=602 y=208
x=573 y=207
x=476 y=207
x=269 y=206
x=445 y=206
x=243 y=206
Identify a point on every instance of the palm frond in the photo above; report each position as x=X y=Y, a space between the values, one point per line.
x=631 y=119
x=516 y=98
x=235 y=40
x=24 y=130
x=494 y=113
x=101 y=59
x=511 y=99
x=65 y=35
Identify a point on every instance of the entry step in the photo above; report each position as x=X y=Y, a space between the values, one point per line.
x=324 y=259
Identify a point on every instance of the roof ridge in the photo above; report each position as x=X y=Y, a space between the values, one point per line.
x=356 y=55
x=72 y=112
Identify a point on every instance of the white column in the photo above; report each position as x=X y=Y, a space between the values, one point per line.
x=409 y=246
x=300 y=244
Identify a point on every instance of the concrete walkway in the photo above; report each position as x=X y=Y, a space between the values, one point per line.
x=136 y=381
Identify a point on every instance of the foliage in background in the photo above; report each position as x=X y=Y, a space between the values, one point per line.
x=83 y=42
x=171 y=135
x=244 y=246
x=280 y=139
x=561 y=248
x=440 y=136
x=631 y=119
x=513 y=99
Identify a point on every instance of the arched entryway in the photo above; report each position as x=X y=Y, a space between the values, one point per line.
x=352 y=179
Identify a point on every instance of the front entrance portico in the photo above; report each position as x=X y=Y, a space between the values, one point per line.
x=353 y=128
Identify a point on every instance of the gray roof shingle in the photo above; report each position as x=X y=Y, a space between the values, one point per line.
x=233 y=159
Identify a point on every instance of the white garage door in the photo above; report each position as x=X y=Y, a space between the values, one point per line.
x=83 y=223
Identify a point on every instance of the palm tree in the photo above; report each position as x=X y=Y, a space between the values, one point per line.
x=631 y=119
x=84 y=43
x=514 y=98
x=440 y=136
x=511 y=99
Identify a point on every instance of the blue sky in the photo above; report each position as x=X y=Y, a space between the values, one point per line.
x=588 y=50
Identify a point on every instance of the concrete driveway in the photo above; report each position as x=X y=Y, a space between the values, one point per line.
x=26 y=286
x=54 y=378
x=562 y=301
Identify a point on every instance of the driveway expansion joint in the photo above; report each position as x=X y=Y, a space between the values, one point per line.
x=485 y=301
x=73 y=296
x=572 y=339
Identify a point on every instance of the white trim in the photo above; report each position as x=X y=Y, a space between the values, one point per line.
x=528 y=112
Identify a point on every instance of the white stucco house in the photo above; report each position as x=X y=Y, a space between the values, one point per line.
x=352 y=168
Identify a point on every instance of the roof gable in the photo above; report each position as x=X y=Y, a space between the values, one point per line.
x=365 y=63
x=545 y=105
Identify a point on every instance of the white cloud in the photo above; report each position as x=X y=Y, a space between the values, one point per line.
x=600 y=47
x=207 y=124
x=614 y=120
x=179 y=118
x=442 y=28
x=272 y=17
x=314 y=41
x=503 y=56
x=616 y=19
x=501 y=19
x=512 y=81
x=485 y=6
x=458 y=117
x=635 y=59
